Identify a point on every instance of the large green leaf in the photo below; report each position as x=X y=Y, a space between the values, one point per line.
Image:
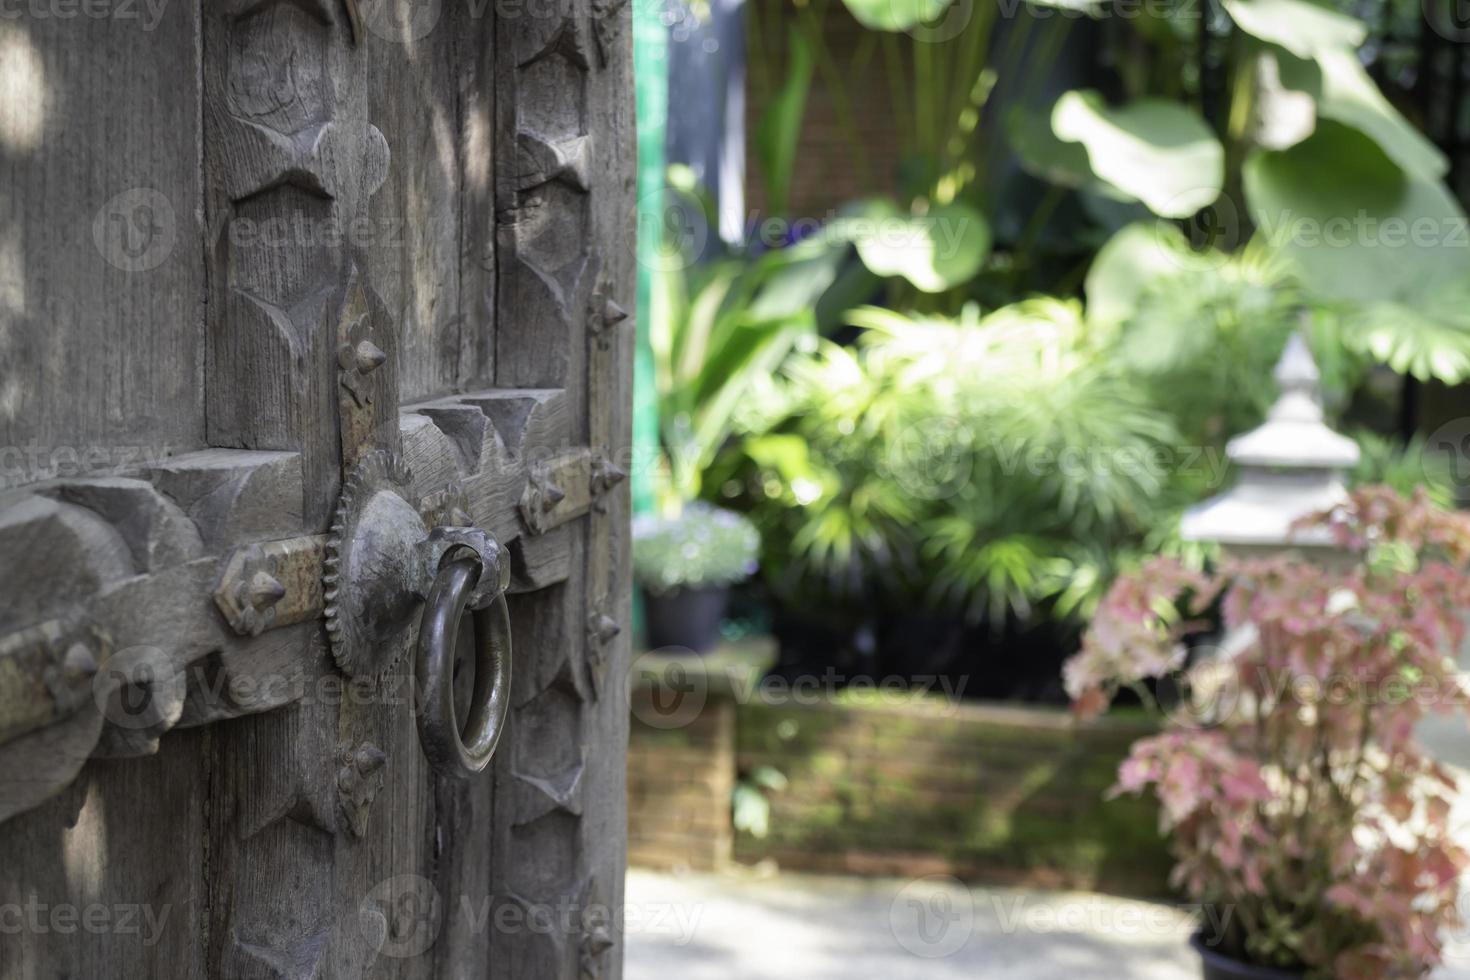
x=1301 y=27
x=895 y=15
x=1136 y=259
x=1343 y=91
x=1429 y=339
x=1319 y=56
x=1044 y=156
x=1150 y=150
x=717 y=332
x=1357 y=227
x=800 y=277
x=779 y=130
x=936 y=251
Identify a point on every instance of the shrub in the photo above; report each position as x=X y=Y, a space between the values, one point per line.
x=1292 y=787
x=957 y=464
x=703 y=547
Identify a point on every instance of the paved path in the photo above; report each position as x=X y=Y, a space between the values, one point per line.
x=801 y=927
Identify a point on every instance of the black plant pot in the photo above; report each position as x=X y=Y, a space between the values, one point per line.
x=687 y=618
x=1218 y=966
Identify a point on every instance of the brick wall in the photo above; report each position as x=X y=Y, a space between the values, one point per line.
x=679 y=786
x=987 y=793
x=827 y=174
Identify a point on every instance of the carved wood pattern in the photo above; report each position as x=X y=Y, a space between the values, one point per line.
x=204 y=537
x=290 y=157
x=183 y=590
x=291 y=160
x=126 y=560
x=565 y=209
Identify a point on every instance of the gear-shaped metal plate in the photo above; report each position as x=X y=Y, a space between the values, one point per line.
x=374 y=567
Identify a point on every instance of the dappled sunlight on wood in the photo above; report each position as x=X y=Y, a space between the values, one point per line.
x=84 y=849
x=22 y=91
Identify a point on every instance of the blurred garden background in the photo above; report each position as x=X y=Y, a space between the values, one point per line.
x=950 y=311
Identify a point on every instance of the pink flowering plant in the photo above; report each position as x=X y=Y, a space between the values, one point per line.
x=1289 y=780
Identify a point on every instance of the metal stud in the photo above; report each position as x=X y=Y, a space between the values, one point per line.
x=368 y=357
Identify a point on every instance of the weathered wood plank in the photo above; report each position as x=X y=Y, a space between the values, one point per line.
x=542 y=251
x=101 y=264
x=289 y=839
x=108 y=892
x=480 y=318
x=411 y=239
x=609 y=341
x=302 y=356
x=291 y=160
x=455 y=843
x=484 y=443
x=560 y=243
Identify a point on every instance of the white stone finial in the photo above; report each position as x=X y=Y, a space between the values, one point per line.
x=1290 y=467
x=1300 y=383
x=1297 y=370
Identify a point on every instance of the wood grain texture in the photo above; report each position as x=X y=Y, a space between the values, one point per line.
x=291 y=160
x=107 y=580
x=141 y=880
x=565 y=203
x=610 y=343
x=100 y=261
x=459 y=199
x=411 y=240
x=542 y=248
x=304 y=354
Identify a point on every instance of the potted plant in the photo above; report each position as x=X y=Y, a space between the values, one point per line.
x=1297 y=801
x=719 y=328
x=686 y=565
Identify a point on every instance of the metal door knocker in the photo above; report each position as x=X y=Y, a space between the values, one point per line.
x=383 y=567
x=453 y=749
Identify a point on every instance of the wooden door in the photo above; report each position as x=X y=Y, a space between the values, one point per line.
x=284 y=286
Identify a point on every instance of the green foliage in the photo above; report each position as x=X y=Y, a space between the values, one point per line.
x=1403 y=468
x=834 y=521
x=1063 y=163
x=1151 y=150
x=940 y=67
x=1429 y=340
x=1200 y=331
x=779 y=129
x=1006 y=466
x=704 y=546
x=716 y=330
x=936 y=251
x=1313 y=164
x=982 y=460
x=1134 y=261
x=750 y=805
x=979 y=464
x=1367 y=233
x=1341 y=90
x=1304 y=28
x=895 y=15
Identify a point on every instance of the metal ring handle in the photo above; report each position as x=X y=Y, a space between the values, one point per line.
x=453 y=750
